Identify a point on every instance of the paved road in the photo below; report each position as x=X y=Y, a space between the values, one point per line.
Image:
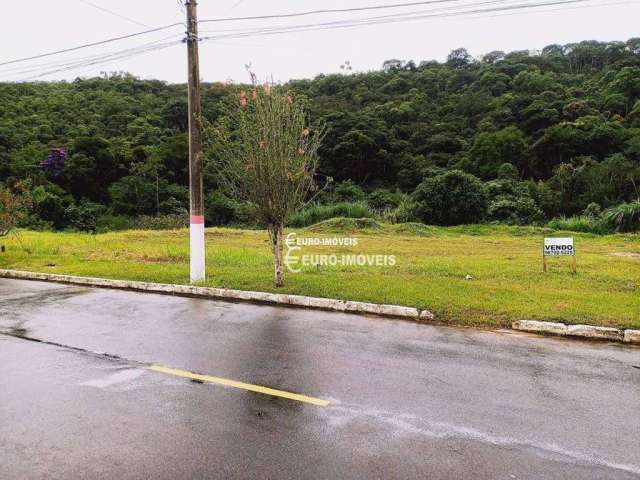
x=405 y=400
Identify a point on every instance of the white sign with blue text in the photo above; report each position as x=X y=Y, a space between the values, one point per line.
x=558 y=247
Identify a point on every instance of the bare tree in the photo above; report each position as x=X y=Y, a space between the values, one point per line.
x=265 y=153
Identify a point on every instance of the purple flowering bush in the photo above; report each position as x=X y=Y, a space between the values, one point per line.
x=54 y=163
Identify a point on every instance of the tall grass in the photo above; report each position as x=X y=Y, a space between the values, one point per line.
x=318 y=213
x=580 y=223
x=113 y=223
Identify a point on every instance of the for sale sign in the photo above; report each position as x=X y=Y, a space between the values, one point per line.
x=558 y=247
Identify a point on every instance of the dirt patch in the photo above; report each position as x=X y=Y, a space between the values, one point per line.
x=627 y=255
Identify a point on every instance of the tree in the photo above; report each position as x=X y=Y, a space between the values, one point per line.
x=493 y=56
x=15 y=205
x=265 y=153
x=175 y=114
x=459 y=58
x=633 y=44
x=150 y=166
x=491 y=150
x=393 y=65
x=452 y=198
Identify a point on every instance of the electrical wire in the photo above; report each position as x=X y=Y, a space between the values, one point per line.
x=358 y=20
x=22 y=69
x=386 y=19
x=93 y=44
x=325 y=11
x=115 y=14
x=63 y=61
x=132 y=35
x=345 y=23
x=459 y=9
x=235 y=5
x=107 y=59
x=578 y=7
x=152 y=30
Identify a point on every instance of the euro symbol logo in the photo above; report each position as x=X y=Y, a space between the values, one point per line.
x=291 y=259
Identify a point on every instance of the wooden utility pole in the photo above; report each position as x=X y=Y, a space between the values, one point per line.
x=196 y=224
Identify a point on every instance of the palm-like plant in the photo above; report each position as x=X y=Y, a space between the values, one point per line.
x=624 y=217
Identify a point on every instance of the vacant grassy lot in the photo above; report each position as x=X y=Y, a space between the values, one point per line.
x=504 y=263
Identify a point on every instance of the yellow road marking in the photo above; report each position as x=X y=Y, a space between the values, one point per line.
x=244 y=386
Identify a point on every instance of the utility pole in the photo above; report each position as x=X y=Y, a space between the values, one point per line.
x=196 y=223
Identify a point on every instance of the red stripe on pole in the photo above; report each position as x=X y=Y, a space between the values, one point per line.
x=197 y=220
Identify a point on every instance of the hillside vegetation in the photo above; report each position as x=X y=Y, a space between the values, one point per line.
x=518 y=138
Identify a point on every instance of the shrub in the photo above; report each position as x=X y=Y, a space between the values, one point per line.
x=452 y=198
x=219 y=209
x=50 y=204
x=345 y=225
x=84 y=216
x=592 y=210
x=624 y=217
x=54 y=163
x=318 y=213
x=162 y=222
x=515 y=210
x=580 y=223
x=403 y=213
x=173 y=206
x=384 y=199
x=507 y=171
x=346 y=191
x=110 y=223
x=133 y=196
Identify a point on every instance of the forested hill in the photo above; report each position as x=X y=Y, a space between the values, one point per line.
x=567 y=118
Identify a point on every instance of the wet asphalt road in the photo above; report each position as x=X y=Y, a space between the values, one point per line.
x=406 y=400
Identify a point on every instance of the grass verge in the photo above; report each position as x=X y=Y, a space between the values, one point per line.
x=433 y=265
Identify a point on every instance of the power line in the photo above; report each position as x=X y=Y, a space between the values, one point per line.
x=70 y=63
x=115 y=14
x=107 y=59
x=152 y=30
x=628 y=2
x=411 y=14
x=459 y=9
x=387 y=19
x=235 y=5
x=325 y=11
x=288 y=15
x=94 y=44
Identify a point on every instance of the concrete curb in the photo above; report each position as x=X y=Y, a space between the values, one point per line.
x=227 y=294
x=584 y=331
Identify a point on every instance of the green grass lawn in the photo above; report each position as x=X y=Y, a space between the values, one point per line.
x=432 y=264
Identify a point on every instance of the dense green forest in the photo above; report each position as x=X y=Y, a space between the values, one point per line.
x=523 y=137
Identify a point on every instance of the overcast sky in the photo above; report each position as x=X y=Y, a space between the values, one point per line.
x=40 y=26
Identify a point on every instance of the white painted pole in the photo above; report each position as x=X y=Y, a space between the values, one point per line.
x=196 y=236
x=196 y=230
